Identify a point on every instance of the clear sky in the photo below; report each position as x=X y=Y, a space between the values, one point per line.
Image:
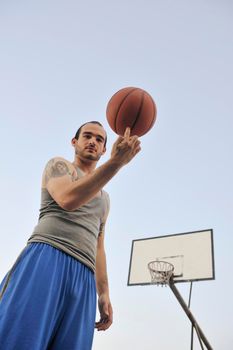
x=60 y=62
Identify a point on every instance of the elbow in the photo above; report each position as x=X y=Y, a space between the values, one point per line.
x=68 y=205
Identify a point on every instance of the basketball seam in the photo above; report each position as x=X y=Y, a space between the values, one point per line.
x=133 y=89
x=139 y=110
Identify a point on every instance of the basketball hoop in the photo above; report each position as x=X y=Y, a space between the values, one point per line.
x=161 y=272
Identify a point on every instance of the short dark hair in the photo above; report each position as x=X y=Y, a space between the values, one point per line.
x=92 y=122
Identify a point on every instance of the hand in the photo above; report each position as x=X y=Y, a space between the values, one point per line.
x=125 y=148
x=106 y=314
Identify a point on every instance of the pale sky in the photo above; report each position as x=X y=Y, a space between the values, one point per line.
x=60 y=63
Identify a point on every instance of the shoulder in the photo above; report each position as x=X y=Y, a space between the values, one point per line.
x=106 y=209
x=106 y=196
x=57 y=167
x=56 y=161
x=107 y=200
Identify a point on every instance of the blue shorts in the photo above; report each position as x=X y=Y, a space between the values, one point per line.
x=49 y=302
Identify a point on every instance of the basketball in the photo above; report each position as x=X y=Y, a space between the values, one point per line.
x=131 y=107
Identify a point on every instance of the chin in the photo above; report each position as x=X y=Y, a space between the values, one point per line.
x=92 y=157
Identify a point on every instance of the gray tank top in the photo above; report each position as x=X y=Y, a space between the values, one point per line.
x=74 y=232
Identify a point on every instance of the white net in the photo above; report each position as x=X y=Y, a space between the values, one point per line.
x=161 y=272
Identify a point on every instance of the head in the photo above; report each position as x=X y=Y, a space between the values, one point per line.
x=90 y=141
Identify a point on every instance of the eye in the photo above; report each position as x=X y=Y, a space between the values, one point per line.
x=100 y=140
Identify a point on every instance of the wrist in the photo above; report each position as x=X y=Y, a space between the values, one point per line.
x=103 y=291
x=115 y=163
x=103 y=296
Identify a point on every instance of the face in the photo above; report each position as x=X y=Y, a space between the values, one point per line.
x=90 y=144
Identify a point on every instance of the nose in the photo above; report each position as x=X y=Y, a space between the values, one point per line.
x=92 y=141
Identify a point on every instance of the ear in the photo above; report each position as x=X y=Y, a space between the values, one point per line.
x=73 y=141
x=104 y=150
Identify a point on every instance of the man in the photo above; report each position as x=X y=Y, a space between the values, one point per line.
x=48 y=299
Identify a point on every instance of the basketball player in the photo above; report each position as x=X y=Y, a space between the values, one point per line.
x=48 y=299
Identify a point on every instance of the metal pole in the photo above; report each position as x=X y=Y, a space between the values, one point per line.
x=199 y=337
x=192 y=337
x=190 y=315
x=189 y=304
x=190 y=294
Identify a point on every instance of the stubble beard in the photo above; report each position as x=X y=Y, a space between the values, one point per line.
x=86 y=155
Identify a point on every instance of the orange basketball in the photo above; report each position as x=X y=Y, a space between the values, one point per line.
x=131 y=107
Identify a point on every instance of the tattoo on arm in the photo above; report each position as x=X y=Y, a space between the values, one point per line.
x=101 y=229
x=57 y=168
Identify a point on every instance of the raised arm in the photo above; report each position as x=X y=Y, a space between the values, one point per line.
x=71 y=193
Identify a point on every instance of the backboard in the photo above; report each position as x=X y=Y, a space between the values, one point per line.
x=191 y=253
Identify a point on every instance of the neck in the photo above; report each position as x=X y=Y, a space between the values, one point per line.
x=87 y=166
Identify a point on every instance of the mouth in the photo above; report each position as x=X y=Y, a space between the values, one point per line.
x=90 y=149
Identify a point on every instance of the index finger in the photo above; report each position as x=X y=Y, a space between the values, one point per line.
x=127 y=133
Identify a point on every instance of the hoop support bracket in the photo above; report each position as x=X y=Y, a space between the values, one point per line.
x=179 y=297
